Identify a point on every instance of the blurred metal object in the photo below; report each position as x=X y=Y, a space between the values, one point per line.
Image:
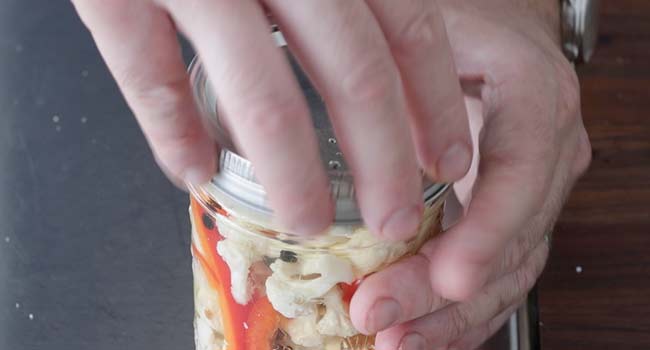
x=579 y=22
x=527 y=324
x=521 y=332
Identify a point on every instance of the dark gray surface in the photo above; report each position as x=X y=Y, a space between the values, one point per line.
x=98 y=239
x=93 y=239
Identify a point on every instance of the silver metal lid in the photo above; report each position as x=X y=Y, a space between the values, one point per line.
x=236 y=176
x=579 y=28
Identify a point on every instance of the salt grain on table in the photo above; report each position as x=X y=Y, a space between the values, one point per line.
x=31 y=316
x=56 y=118
x=7 y=239
x=578 y=269
x=17 y=305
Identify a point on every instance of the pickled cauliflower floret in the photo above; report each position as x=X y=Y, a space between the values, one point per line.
x=293 y=287
x=208 y=328
x=206 y=338
x=239 y=255
x=370 y=252
x=206 y=299
x=303 y=330
x=336 y=321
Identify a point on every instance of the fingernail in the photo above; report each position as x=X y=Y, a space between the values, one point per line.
x=454 y=163
x=413 y=341
x=403 y=223
x=195 y=176
x=382 y=315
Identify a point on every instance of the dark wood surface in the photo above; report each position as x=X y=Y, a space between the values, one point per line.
x=605 y=228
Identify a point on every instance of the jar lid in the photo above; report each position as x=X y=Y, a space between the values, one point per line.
x=236 y=177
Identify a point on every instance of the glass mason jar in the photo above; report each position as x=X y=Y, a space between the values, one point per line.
x=258 y=287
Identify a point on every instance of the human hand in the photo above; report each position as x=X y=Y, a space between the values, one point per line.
x=370 y=60
x=463 y=285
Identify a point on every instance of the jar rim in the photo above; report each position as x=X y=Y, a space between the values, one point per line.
x=283 y=239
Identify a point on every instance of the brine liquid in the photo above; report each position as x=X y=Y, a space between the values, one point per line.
x=235 y=311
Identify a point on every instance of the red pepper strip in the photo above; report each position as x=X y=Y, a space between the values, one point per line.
x=263 y=322
x=348 y=290
x=234 y=315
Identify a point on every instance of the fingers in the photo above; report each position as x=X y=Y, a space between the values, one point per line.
x=441 y=328
x=263 y=105
x=399 y=293
x=155 y=85
x=349 y=61
x=515 y=175
x=418 y=40
x=404 y=288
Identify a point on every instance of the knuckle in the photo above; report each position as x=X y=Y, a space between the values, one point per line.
x=503 y=301
x=479 y=256
x=152 y=91
x=459 y=322
x=583 y=155
x=175 y=153
x=179 y=144
x=569 y=94
x=417 y=34
x=372 y=82
x=523 y=279
x=270 y=115
x=569 y=76
x=512 y=256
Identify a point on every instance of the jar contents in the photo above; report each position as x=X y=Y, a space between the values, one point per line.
x=257 y=289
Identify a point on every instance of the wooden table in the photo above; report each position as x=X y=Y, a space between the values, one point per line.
x=595 y=293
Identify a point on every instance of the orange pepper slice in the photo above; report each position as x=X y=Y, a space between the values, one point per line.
x=234 y=315
x=263 y=322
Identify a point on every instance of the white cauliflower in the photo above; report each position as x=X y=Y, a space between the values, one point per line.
x=304 y=331
x=205 y=338
x=206 y=299
x=370 y=252
x=208 y=327
x=239 y=255
x=294 y=287
x=336 y=321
